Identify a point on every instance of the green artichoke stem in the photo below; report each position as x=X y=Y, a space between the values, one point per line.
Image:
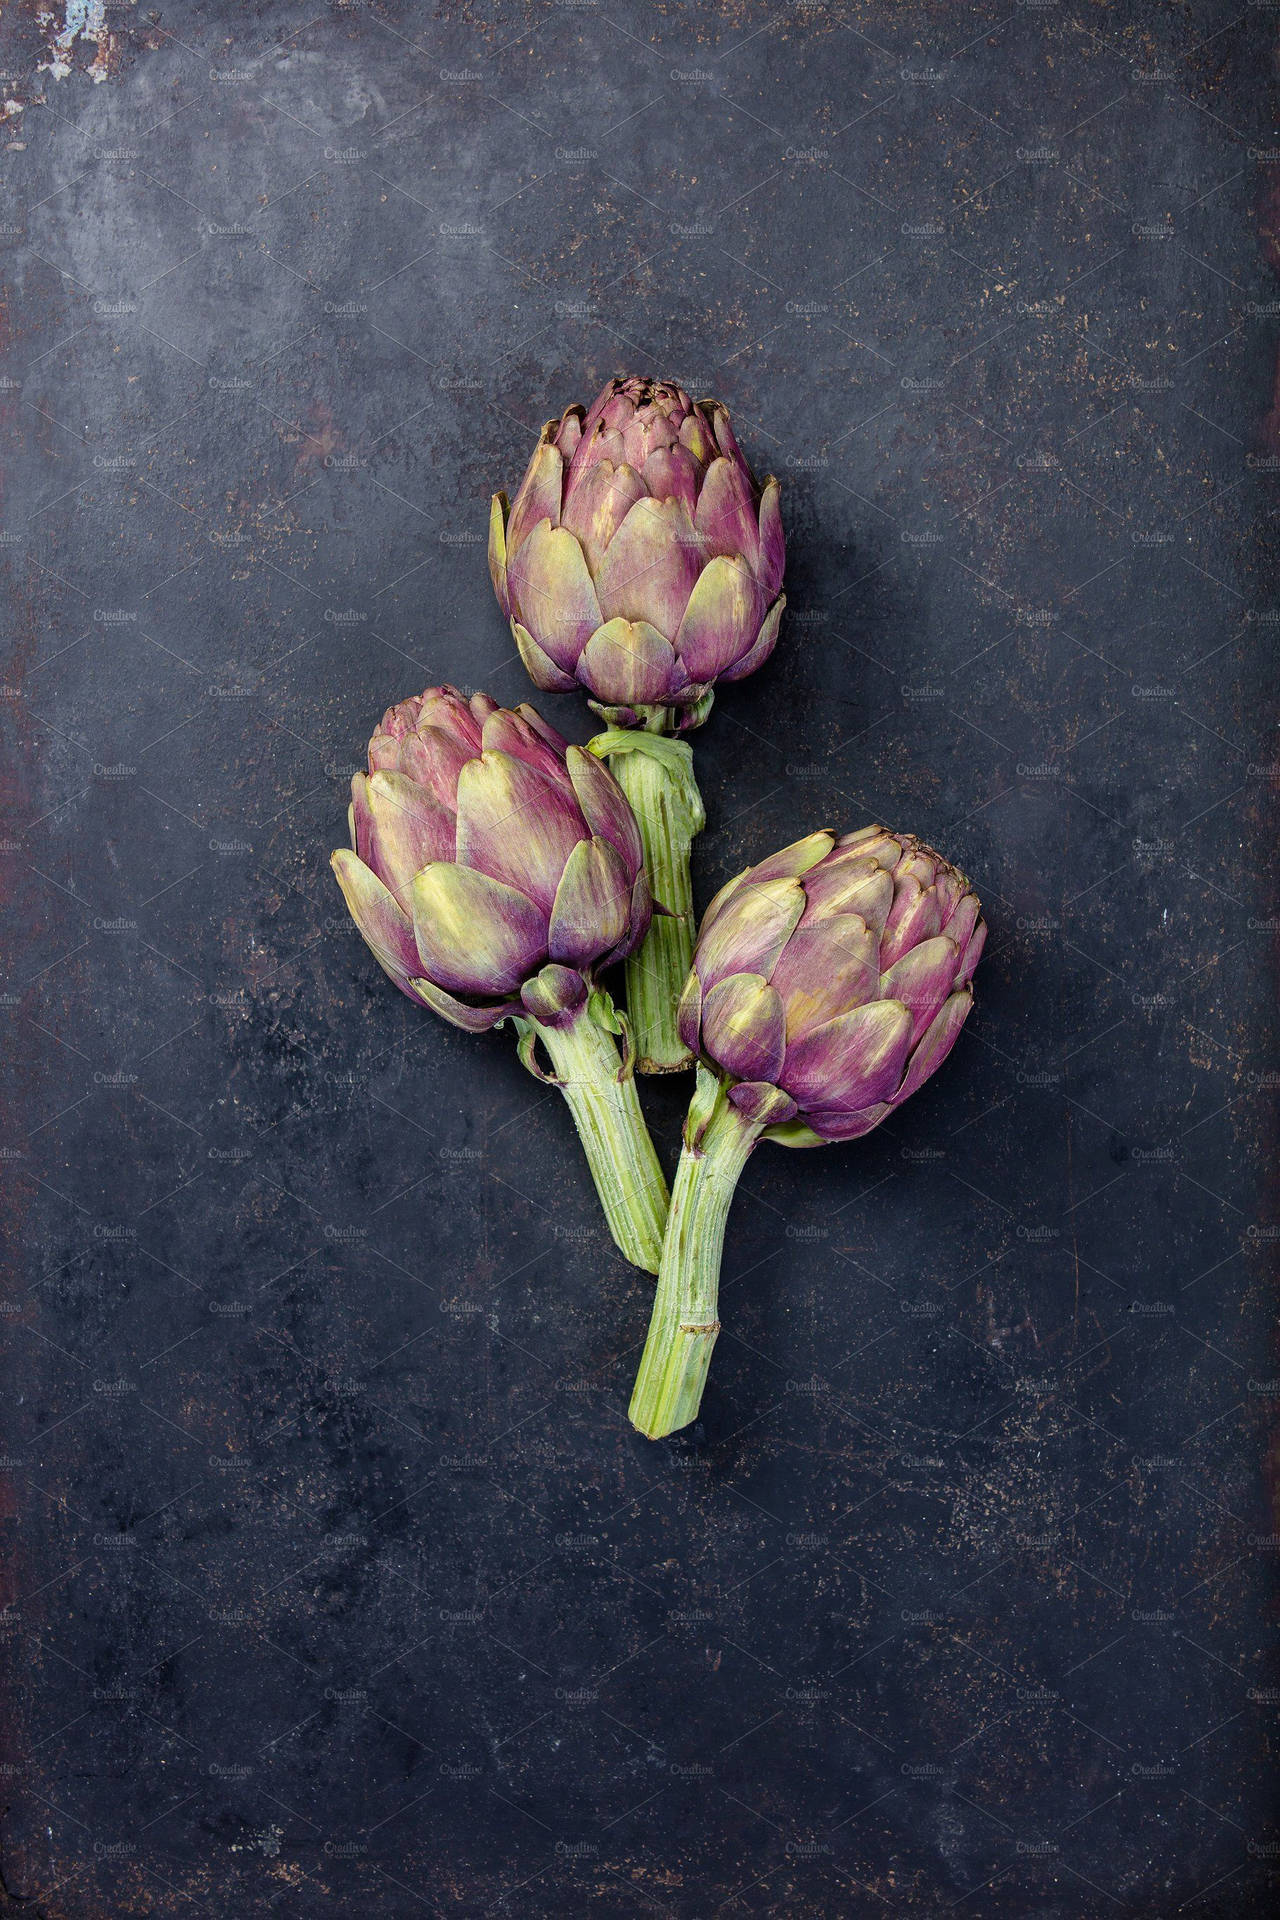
x=669 y=815
x=600 y=1088
x=684 y=1323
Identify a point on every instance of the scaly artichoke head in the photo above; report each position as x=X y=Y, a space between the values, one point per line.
x=493 y=868
x=640 y=559
x=831 y=980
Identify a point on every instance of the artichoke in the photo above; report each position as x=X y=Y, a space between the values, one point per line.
x=828 y=983
x=640 y=559
x=642 y=562
x=494 y=871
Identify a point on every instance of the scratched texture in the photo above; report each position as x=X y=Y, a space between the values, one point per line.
x=338 y=1584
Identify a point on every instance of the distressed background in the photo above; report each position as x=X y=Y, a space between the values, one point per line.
x=339 y=1584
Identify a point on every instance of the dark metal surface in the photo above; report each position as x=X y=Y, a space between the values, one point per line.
x=340 y=1585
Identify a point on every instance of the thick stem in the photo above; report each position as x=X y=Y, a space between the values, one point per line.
x=666 y=805
x=684 y=1323
x=601 y=1091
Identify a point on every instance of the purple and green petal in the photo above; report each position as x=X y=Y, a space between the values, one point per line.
x=972 y=953
x=854 y=1061
x=938 y=1040
x=458 y=1012
x=914 y=916
x=645 y=433
x=642 y=911
x=358 y=819
x=922 y=980
x=875 y=843
x=794 y=1133
x=498 y=550
x=598 y=506
x=474 y=934
x=627 y=663
x=763 y=646
x=516 y=825
x=651 y=566
x=569 y=432
x=761 y=1101
x=743 y=1028
x=773 y=547
x=386 y=929
x=595 y=412
x=543 y=728
x=603 y=443
x=508 y=731
x=605 y=807
x=727 y=516
x=433 y=759
x=689 y=1013
x=672 y=473
x=722 y=619
x=538 y=498
x=553 y=993
x=719 y=900
x=591 y=912
x=825 y=971
x=920 y=863
x=962 y=920
x=721 y=426
x=539 y=666
x=698 y=438
x=832 y=1126
x=405 y=828
x=789 y=862
x=749 y=930
x=951 y=889
x=447 y=710
x=551 y=593
x=849 y=883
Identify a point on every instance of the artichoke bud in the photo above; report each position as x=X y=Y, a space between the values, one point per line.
x=828 y=983
x=494 y=867
x=640 y=558
x=493 y=870
x=831 y=980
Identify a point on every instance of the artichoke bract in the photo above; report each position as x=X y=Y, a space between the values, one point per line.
x=641 y=562
x=494 y=872
x=828 y=983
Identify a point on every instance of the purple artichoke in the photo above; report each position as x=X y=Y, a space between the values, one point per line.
x=831 y=980
x=828 y=983
x=494 y=870
x=495 y=867
x=640 y=559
